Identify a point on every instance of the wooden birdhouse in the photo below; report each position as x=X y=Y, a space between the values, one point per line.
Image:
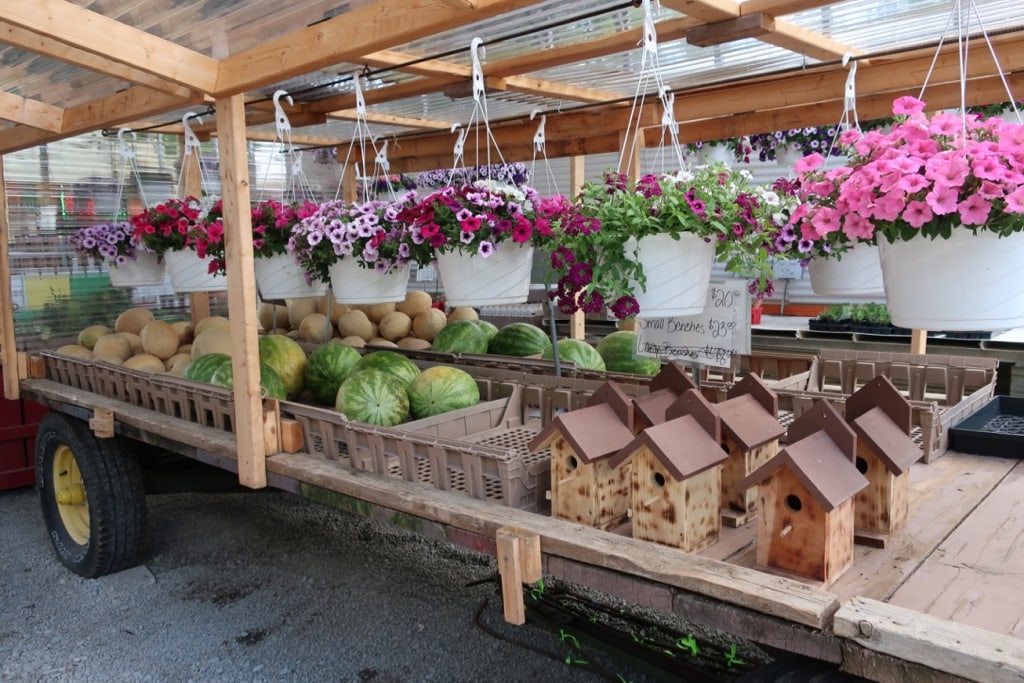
x=585 y=488
x=750 y=435
x=881 y=417
x=668 y=385
x=805 y=498
x=677 y=476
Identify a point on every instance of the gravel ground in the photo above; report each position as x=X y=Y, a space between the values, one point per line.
x=264 y=586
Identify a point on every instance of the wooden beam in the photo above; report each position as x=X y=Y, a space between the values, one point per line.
x=128 y=105
x=234 y=178
x=811 y=43
x=708 y=11
x=8 y=348
x=391 y=119
x=738 y=28
x=67 y=23
x=31 y=113
x=577 y=176
x=346 y=38
x=779 y=8
x=973 y=653
x=34 y=42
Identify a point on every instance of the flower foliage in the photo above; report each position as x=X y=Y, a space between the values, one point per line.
x=272 y=225
x=928 y=175
x=509 y=173
x=112 y=243
x=597 y=266
x=168 y=226
x=802 y=141
x=474 y=219
x=369 y=232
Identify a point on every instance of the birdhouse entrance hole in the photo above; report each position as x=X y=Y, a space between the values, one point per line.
x=571 y=462
x=659 y=479
x=862 y=465
x=793 y=503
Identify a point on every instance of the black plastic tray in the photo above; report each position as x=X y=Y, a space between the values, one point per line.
x=997 y=429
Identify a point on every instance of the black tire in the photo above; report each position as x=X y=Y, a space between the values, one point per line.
x=96 y=514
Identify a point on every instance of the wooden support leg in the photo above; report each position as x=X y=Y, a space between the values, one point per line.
x=518 y=563
x=102 y=423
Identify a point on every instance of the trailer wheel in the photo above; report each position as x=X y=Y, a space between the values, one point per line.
x=92 y=497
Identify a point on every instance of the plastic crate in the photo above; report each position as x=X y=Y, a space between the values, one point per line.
x=996 y=429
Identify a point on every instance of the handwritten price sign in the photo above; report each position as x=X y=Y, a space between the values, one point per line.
x=711 y=338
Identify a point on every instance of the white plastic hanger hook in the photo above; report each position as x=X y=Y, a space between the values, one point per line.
x=191 y=141
x=538 y=137
x=668 y=116
x=281 y=122
x=850 y=90
x=476 y=49
x=650 y=33
x=460 y=143
x=357 y=86
x=126 y=152
x=381 y=160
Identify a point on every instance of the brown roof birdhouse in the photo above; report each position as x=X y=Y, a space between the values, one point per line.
x=668 y=385
x=805 y=498
x=677 y=477
x=750 y=434
x=881 y=416
x=585 y=487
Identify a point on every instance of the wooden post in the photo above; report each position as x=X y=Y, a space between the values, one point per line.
x=918 y=341
x=244 y=322
x=519 y=562
x=577 y=174
x=8 y=350
x=192 y=185
x=349 y=185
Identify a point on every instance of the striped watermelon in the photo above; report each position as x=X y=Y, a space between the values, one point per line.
x=519 y=339
x=202 y=368
x=489 y=328
x=374 y=397
x=461 y=336
x=388 y=362
x=441 y=388
x=287 y=358
x=327 y=367
x=619 y=352
x=270 y=381
x=576 y=351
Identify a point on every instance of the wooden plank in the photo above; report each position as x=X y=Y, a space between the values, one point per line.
x=746 y=26
x=8 y=342
x=31 y=113
x=87 y=30
x=244 y=322
x=782 y=7
x=877 y=666
x=511 y=571
x=706 y=10
x=966 y=479
x=919 y=341
x=973 y=653
x=973 y=577
x=778 y=596
x=102 y=423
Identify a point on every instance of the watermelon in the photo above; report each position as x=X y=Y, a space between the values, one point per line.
x=374 y=397
x=519 y=339
x=618 y=350
x=327 y=367
x=388 y=362
x=202 y=368
x=287 y=358
x=461 y=336
x=576 y=351
x=270 y=382
x=441 y=388
x=489 y=328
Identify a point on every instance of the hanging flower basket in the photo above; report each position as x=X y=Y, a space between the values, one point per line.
x=189 y=273
x=143 y=270
x=280 y=277
x=353 y=284
x=964 y=282
x=503 y=277
x=857 y=272
x=678 y=274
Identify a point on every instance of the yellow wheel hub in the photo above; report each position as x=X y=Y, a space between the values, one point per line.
x=69 y=493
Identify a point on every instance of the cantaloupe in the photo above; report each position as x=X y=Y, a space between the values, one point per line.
x=416 y=301
x=354 y=341
x=427 y=324
x=211 y=341
x=316 y=328
x=112 y=346
x=145 y=362
x=160 y=339
x=113 y=360
x=177 y=368
x=413 y=344
x=75 y=351
x=89 y=335
x=133 y=320
x=381 y=341
x=338 y=310
x=395 y=325
x=463 y=313
x=176 y=358
x=273 y=316
x=376 y=312
x=184 y=329
x=299 y=309
x=214 y=321
x=355 y=324
x=133 y=339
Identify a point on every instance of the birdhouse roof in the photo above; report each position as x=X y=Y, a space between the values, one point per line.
x=821 y=466
x=881 y=393
x=745 y=420
x=593 y=432
x=752 y=385
x=668 y=385
x=892 y=445
x=823 y=416
x=682 y=445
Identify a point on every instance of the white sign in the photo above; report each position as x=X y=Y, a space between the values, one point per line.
x=426 y=274
x=711 y=338
x=787 y=269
